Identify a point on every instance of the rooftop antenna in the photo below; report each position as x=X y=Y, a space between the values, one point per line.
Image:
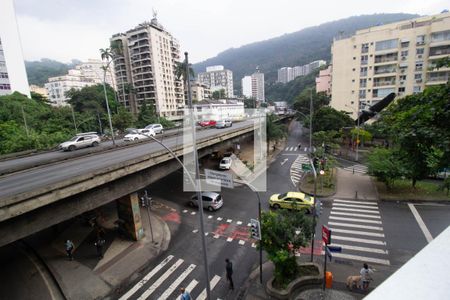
x=155 y=13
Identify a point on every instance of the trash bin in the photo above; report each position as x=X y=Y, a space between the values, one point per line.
x=328 y=280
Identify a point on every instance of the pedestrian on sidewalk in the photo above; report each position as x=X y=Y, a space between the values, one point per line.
x=185 y=294
x=229 y=269
x=99 y=245
x=365 y=276
x=69 y=249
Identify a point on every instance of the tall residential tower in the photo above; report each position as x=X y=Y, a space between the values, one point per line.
x=145 y=64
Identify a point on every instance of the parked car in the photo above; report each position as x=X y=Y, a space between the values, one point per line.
x=225 y=163
x=224 y=123
x=292 y=200
x=139 y=134
x=211 y=201
x=81 y=140
x=157 y=128
x=207 y=123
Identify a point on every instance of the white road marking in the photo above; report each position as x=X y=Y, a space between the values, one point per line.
x=191 y=285
x=422 y=225
x=241 y=242
x=239 y=222
x=355 y=226
x=216 y=236
x=351 y=239
x=210 y=217
x=177 y=282
x=160 y=280
x=229 y=221
x=284 y=161
x=286 y=149
x=195 y=230
x=193 y=213
x=355 y=206
x=355 y=220
x=364 y=249
x=354 y=215
x=185 y=210
x=229 y=239
x=356 y=210
x=253 y=245
x=146 y=278
x=374 y=234
x=363 y=258
x=206 y=233
x=356 y=202
x=219 y=219
x=249 y=224
x=212 y=285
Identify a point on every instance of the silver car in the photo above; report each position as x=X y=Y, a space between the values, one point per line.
x=224 y=123
x=157 y=128
x=211 y=201
x=81 y=140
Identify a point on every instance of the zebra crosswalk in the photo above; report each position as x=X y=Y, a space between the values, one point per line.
x=296 y=171
x=292 y=149
x=164 y=281
x=357 y=169
x=357 y=227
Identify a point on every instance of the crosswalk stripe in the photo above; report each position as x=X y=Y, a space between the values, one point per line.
x=355 y=226
x=212 y=284
x=356 y=202
x=354 y=215
x=363 y=249
x=355 y=220
x=160 y=280
x=352 y=239
x=286 y=149
x=356 y=206
x=363 y=258
x=191 y=285
x=374 y=234
x=177 y=282
x=355 y=210
x=146 y=278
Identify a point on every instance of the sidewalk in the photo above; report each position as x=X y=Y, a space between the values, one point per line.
x=347 y=185
x=87 y=276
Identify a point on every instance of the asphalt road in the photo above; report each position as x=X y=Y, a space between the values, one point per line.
x=27 y=180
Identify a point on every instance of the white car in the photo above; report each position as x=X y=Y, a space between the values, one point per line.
x=224 y=123
x=157 y=128
x=139 y=134
x=225 y=163
x=81 y=140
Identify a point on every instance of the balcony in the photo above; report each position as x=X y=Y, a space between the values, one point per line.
x=378 y=83
x=385 y=59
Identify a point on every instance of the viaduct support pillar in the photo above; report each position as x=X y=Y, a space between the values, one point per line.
x=128 y=210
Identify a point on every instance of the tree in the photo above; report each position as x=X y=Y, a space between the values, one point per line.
x=274 y=130
x=283 y=232
x=327 y=118
x=123 y=119
x=219 y=94
x=116 y=50
x=147 y=115
x=418 y=126
x=303 y=100
x=385 y=165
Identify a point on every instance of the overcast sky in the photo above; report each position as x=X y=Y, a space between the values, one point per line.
x=77 y=29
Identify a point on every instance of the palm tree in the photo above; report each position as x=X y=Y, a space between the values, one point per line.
x=116 y=49
x=180 y=71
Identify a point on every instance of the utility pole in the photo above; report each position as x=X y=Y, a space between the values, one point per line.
x=74 y=122
x=25 y=122
x=310 y=122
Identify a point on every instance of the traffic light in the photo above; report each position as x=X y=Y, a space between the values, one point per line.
x=255 y=229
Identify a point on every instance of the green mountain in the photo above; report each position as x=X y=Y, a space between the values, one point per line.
x=38 y=72
x=293 y=49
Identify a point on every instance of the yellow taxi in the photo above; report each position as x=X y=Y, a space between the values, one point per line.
x=292 y=200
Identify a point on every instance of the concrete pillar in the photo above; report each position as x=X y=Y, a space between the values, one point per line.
x=128 y=210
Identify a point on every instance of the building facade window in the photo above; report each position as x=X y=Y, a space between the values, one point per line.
x=364 y=59
x=420 y=50
x=440 y=36
x=404 y=53
x=420 y=40
x=362 y=94
x=419 y=65
x=401 y=89
x=363 y=72
x=386 y=45
x=363 y=82
x=417 y=89
x=404 y=44
x=365 y=48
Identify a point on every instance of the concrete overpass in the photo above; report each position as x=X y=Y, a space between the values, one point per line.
x=35 y=199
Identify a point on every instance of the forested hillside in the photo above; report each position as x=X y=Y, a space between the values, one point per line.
x=38 y=72
x=297 y=48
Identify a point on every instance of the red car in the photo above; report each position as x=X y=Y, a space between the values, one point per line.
x=207 y=123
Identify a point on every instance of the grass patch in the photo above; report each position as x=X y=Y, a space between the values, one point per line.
x=402 y=190
x=326 y=184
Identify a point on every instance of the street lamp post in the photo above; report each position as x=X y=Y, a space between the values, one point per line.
x=314 y=209
x=106 y=100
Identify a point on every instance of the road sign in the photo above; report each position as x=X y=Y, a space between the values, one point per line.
x=334 y=248
x=222 y=179
x=306 y=167
x=326 y=235
x=255 y=229
x=328 y=253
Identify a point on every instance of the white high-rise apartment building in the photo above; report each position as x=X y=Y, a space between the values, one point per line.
x=217 y=78
x=13 y=76
x=145 y=70
x=258 y=86
x=85 y=74
x=285 y=74
x=394 y=58
x=247 y=86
